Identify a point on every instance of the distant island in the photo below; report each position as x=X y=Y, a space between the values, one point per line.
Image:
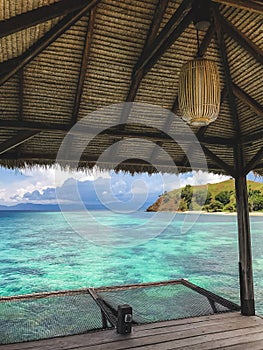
x=218 y=197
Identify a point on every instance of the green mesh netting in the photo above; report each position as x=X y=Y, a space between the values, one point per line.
x=48 y=317
x=161 y=303
x=32 y=318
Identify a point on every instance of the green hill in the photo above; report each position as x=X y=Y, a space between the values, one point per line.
x=211 y=197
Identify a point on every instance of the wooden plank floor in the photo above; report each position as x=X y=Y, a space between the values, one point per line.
x=222 y=331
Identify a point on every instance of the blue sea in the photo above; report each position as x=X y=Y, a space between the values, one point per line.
x=49 y=251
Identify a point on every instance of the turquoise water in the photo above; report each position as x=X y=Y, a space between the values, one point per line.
x=42 y=252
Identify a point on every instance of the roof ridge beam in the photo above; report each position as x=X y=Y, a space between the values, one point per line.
x=240 y=38
x=42 y=14
x=248 y=100
x=249 y=5
x=12 y=66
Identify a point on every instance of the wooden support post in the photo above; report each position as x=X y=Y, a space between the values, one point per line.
x=244 y=240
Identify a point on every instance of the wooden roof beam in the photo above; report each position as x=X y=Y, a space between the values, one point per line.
x=152 y=33
x=20 y=100
x=166 y=128
x=42 y=14
x=169 y=34
x=21 y=137
x=21 y=94
x=11 y=67
x=254 y=161
x=252 y=137
x=227 y=73
x=151 y=134
x=65 y=128
x=84 y=65
x=249 y=5
x=207 y=40
x=248 y=100
x=239 y=37
x=203 y=129
x=218 y=161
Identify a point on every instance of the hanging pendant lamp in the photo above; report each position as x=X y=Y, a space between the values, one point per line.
x=199 y=85
x=199 y=92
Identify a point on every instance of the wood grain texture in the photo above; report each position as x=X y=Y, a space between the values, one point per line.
x=207 y=332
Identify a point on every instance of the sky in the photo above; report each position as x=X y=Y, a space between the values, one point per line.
x=38 y=185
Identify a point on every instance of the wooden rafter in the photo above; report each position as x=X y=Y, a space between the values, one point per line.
x=201 y=132
x=84 y=64
x=64 y=128
x=218 y=161
x=136 y=79
x=12 y=66
x=166 y=128
x=20 y=103
x=239 y=37
x=152 y=33
x=207 y=40
x=169 y=34
x=151 y=134
x=21 y=137
x=249 y=5
x=258 y=167
x=42 y=14
x=254 y=161
x=252 y=137
x=248 y=100
x=226 y=70
x=21 y=94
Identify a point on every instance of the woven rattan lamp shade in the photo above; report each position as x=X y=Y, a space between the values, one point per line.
x=199 y=92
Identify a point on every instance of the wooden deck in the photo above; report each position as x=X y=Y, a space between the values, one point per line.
x=221 y=331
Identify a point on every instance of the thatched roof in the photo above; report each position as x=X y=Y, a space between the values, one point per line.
x=62 y=60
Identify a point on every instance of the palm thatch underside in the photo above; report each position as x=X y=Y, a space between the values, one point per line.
x=63 y=60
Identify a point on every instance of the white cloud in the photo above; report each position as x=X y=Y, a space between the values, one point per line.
x=194 y=178
x=39 y=179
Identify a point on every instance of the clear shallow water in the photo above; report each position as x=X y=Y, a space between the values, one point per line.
x=41 y=252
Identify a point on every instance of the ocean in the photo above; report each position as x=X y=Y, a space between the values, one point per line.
x=49 y=251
